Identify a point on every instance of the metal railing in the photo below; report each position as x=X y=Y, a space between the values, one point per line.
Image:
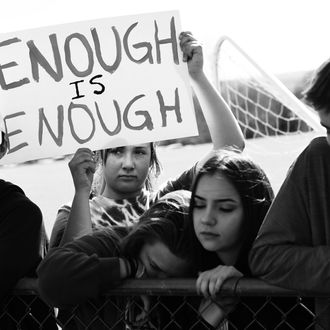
x=165 y=304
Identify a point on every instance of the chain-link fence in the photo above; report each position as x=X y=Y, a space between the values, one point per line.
x=168 y=304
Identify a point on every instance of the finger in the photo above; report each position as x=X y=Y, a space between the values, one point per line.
x=199 y=282
x=186 y=39
x=184 y=34
x=82 y=150
x=187 y=44
x=218 y=284
x=187 y=51
x=205 y=288
x=191 y=48
x=90 y=166
x=198 y=285
x=82 y=164
x=79 y=153
x=212 y=288
x=85 y=156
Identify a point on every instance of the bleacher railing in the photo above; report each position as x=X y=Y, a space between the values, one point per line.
x=164 y=304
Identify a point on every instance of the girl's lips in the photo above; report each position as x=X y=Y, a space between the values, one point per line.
x=127 y=177
x=207 y=234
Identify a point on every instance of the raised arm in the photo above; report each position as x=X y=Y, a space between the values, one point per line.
x=82 y=167
x=222 y=124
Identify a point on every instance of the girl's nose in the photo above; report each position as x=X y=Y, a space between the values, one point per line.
x=208 y=218
x=128 y=161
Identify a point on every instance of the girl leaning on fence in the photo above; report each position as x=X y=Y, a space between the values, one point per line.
x=230 y=198
x=126 y=172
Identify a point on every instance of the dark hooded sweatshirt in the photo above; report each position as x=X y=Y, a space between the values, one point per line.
x=23 y=243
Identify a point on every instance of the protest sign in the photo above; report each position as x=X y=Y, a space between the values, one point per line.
x=96 y=84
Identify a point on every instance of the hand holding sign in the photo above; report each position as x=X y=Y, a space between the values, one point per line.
x=82 y=167
x=192 y=54
x=94 y=84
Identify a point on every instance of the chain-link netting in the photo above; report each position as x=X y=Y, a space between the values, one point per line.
x=169 y=304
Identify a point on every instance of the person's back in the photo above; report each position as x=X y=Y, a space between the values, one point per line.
x=292 y=249
x=23 y=244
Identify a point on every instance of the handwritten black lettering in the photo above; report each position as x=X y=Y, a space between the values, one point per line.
x=37 y=58
x=4 y=85
x=12 y=149
x=164 y=108
x=43 y=120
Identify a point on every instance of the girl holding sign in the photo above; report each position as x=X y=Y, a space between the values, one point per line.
x=126 y=188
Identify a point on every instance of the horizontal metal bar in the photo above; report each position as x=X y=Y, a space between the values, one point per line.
x=181 y=287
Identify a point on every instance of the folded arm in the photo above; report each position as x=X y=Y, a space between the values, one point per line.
x=80 y=270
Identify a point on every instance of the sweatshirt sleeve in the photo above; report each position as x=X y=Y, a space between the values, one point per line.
x=21 y=240
x=291 y=248
x=59 y=225
x=79 y=270
x=182 y=182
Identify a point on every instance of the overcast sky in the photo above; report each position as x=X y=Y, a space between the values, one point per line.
x=281 y=35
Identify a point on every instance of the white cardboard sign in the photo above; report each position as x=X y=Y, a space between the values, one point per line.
x=96 y=84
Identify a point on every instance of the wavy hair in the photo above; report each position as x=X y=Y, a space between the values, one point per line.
x=164 y=221
x=254 y=189
x=317 y=93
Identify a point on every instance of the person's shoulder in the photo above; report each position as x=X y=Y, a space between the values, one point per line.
x=319 y=147
x=7 y=188
x=13 y=197
x=313 y=156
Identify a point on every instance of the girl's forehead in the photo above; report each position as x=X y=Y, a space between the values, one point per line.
x=216 y=177
x=144 y=145
x=133 y=146
x=216 y=185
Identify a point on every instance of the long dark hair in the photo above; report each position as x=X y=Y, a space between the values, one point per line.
x=256 y=194
x=317 y=92
x=164 y=221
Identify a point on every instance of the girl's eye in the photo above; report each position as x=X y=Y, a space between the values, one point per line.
x=199 y=205
x=226 y=209
x=116 y=151
x=140 y=152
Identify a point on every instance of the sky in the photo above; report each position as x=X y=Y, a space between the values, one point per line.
x=280 y=35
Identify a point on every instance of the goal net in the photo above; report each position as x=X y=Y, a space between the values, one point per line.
x=276 y=124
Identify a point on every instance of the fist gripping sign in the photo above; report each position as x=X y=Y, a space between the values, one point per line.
x=95 y=84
